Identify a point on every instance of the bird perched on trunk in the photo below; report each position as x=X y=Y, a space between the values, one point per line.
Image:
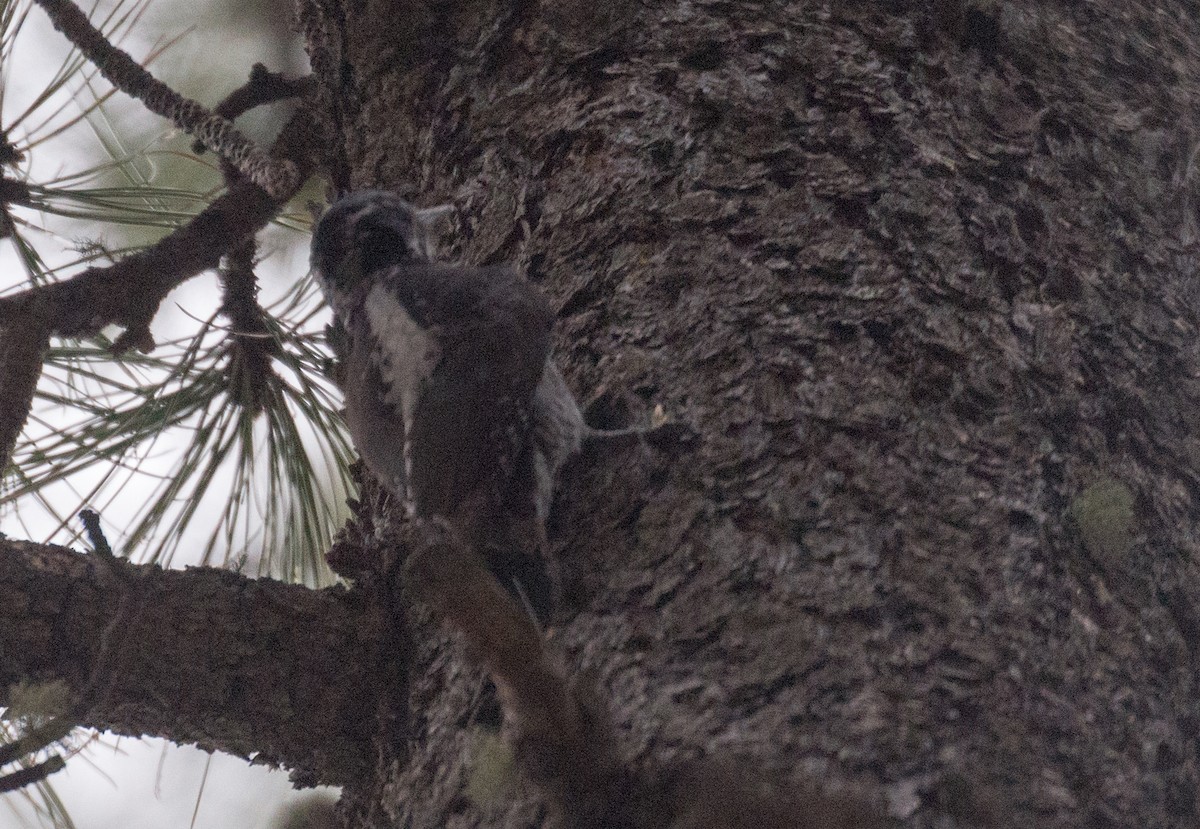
x=451 y=397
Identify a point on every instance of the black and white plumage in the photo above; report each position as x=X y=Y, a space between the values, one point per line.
x=451 y=397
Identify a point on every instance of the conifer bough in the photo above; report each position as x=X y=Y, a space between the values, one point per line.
x=279 y=178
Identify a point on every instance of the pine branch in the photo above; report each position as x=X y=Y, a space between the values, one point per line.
x=37 y=739
x=250 y=370
x=277 y=670
x=278 y=177
x=23 y=343
x=33 y=774
x=129 y=292
x=263 y=87
x=14 y=192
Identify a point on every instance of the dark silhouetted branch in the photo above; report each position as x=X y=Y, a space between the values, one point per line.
x=252 y=347
x=279 y=177
x=128 y=293
x=26 y=777
x=23 y=343
x=263 y=87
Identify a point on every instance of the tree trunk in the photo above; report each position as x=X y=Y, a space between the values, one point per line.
x=922 y=280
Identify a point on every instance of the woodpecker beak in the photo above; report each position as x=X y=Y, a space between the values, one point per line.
x=430 y=220
x=430 y=217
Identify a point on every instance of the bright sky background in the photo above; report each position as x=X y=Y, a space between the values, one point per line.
x=149 y=784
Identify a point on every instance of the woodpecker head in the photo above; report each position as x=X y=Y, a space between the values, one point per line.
x=366 y=232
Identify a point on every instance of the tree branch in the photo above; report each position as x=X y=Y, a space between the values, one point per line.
x=250 y=667
x=252 y=347
x=263 y=87
x=250 y=369
x=279 y=177
x=24 y=777
x=23 y=342
x=128 y=293
x=14 y=192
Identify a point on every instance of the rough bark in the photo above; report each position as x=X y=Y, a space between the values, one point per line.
x=23 y=342
x=922 y=279
x=255 y=668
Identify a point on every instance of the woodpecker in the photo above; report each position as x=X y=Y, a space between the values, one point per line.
x=451 y=396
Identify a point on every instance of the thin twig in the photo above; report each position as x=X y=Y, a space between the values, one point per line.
x=25 y=777
x=91 y=523
x=250 y=369
x=278 y=177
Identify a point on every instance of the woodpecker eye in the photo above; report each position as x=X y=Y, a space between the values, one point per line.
x=377 y=248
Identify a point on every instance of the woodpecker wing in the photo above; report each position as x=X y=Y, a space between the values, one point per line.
x=375 y=426
x=468 y=427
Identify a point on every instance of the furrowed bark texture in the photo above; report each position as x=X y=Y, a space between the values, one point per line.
x=23 y=344
x=924 y=282
x=254 y=668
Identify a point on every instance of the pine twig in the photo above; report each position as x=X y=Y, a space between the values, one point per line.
x=91 y=525
x=250 y=369
x=14 y=192
x=279 y=178
x=33 y=774
x=37 y=739
x=9 y=154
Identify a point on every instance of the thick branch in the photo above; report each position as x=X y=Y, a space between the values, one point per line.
x=250 y=667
